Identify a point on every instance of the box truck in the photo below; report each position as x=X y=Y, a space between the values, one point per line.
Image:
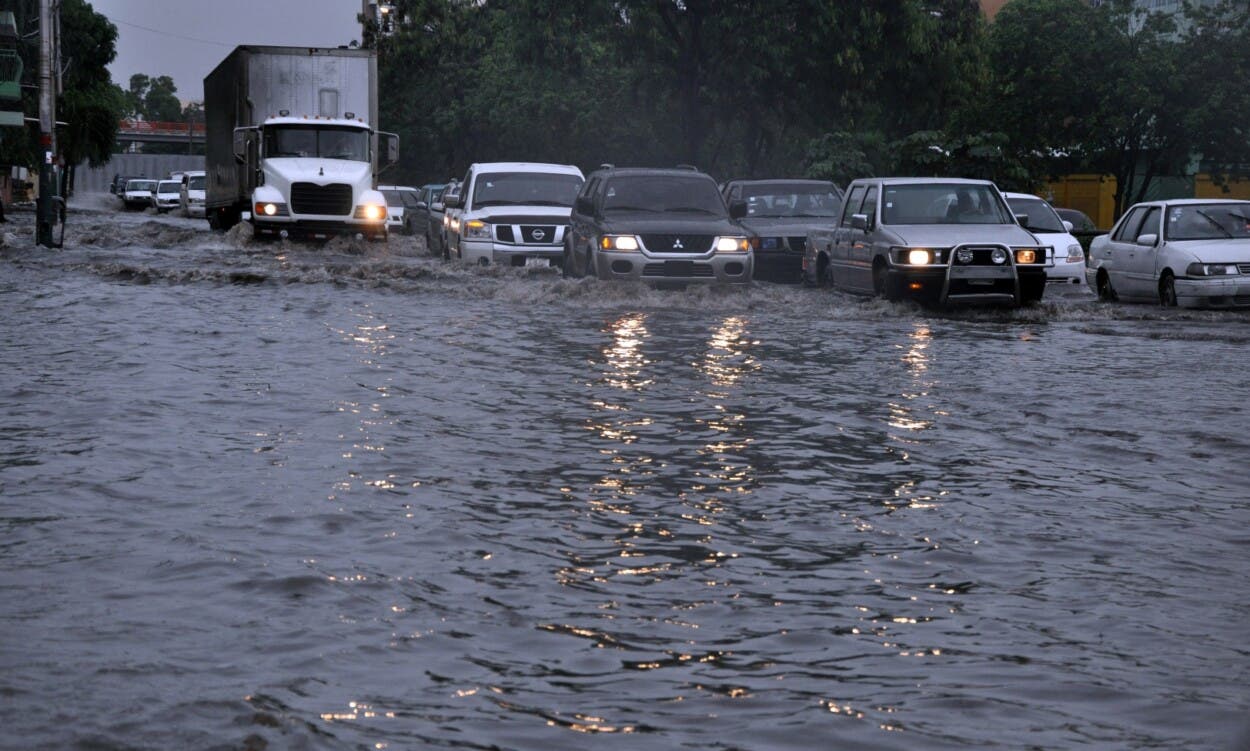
x=291 y=140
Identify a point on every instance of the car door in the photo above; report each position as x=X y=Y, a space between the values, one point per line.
x=860 y=250
x=1137 y=266
x=581 y=224
x=1121 y=247
x=839 y=251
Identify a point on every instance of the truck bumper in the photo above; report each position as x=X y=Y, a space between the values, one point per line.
x=318 y=229
x=487 y=252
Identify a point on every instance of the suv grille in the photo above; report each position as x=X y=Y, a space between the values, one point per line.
x=678 y=243
x=334 y=199
x=679 y=269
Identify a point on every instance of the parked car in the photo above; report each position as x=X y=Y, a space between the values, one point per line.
x=935 y=240
x=429 y=209
x=1192 y=252
x=451 y=214
x=400 y=199
x=1066 y=261
x=779 y=215
x=191 y=193
x=657 y=225
x=1083 y=228
x=138 y=194
x=513 y=213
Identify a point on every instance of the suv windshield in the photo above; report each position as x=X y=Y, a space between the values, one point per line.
x=1042 y=218
x=525 y=189
x=147 y=185
x=1211 y=221
x=168 y=186
x=314 y=141
x=791 y=200
x=938 y=203
x=664 y=193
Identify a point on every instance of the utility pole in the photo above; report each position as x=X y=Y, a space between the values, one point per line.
x=48 y=208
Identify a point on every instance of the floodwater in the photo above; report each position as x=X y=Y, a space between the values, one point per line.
x=278 y=496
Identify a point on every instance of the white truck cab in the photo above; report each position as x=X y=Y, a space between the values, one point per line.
x=512 y=213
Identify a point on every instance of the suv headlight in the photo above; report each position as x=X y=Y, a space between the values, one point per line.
x=475 y=229
x=618 y=242
x=1211 y=269
x=732 y=244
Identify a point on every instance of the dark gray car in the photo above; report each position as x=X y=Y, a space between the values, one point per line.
x=780 y=213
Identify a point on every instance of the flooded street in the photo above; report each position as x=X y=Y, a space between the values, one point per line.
x=272 y=495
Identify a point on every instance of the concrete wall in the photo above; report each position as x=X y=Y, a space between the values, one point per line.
x=97 y=180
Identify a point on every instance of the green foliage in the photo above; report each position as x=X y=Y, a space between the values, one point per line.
x=153 y=99
x=842 y=156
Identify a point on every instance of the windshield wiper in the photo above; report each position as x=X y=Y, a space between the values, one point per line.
x=1228 y=235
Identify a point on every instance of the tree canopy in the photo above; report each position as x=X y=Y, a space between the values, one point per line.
x=785 y=87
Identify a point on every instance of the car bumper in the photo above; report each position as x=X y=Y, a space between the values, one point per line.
x=706 y=269
x=1064 y=272
x=1232 y=292
x=486 y=252
x=966 y=285
x=778 y=266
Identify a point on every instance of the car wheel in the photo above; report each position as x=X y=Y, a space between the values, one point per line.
x=566 y=262
x=881 y=285
x=1167 y=290
x=1106 y=292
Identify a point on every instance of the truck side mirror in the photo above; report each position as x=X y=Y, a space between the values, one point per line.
x=1023 y=220
x=451 y=202
x=585 y=205
x=389 y=143
x=859 y=221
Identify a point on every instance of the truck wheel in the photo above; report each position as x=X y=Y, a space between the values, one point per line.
x=882 y=285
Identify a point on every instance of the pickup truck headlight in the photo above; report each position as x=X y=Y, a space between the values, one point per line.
x=916 y=256
x=733 y=244
x=475 y=229
x=1211 y=269
x=619 y=242
x=1026 y=255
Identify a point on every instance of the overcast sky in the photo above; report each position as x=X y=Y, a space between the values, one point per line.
x=185 y=39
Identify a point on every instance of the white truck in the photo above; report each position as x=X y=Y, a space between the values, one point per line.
x=291 y=142
x=511 y=213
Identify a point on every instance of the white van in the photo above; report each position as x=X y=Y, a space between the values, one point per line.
x=191 y=193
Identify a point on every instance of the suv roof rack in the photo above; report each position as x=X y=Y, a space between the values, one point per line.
x=690 y=167
x=607 y=165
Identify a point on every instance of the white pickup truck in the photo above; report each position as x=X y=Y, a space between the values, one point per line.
x=512 y=213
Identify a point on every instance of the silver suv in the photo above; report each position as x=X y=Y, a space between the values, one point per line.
x=936 y=240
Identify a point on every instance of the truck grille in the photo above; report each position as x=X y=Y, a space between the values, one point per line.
x=538 y=234
x=334 y=199
x=678 y=243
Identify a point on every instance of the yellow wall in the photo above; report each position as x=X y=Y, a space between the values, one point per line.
x=1092 y=194
x=1205 y=188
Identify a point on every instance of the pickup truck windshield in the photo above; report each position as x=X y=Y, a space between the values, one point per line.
x=791 y=200
x=677 y=194
x=148 y=185
x=525 y=189
x=939 y=203
x=195 y=183
x=314 y=141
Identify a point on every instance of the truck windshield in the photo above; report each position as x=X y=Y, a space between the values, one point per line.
x=195 y=183
x=943 y=203
x=525 y=189
x=798 y=199
x=317 y=141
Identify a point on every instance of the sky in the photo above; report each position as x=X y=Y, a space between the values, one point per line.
x=185 y=39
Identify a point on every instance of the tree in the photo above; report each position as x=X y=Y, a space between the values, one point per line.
x=154 y=99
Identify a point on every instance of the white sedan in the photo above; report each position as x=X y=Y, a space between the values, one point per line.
x=1191 y=252
x=1067 y=261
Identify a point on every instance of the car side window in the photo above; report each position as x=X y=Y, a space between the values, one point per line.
x=870 y=206
x=1150 y=224
x=852 y=204
x=1128 y=228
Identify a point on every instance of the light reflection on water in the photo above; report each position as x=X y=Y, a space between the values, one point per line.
x=485 y=513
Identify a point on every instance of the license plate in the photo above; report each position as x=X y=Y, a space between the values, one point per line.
x=537 y=262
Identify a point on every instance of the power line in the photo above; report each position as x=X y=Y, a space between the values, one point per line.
x=170 y=34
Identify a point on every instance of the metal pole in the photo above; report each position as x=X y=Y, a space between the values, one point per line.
x=46 y=209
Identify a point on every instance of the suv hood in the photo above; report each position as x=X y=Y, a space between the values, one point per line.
x=785 y=226
x=319 y=171
x=638 y=224
x=948 y=235
x=517 y=213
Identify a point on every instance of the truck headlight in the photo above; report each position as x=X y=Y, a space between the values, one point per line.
x=732 y=245
x=919 y=257
x=269 y=208
x=370 y=212
x=618 y=242
x=1026 y=255
x=475 y=229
